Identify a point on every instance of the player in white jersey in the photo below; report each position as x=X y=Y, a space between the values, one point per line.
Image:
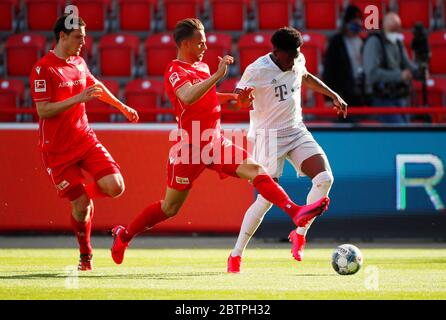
x=278 y=133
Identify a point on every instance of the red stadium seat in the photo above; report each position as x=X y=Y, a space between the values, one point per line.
x=118 y=54
x=413 y=11
x=144 y=95
x=313 y=49
x=229 y=15
x=274 y=14
x=97 y=110
x=218 y=44
x=437 y=41
x=362 y=4
x=94 y=13
x=160 y=50
x=176 y=10
x=22 y=52
x=251 y=46
x=41 y=14
x=136 y=15
x=436 y=95
x=12 y=94
x=321 y=14
x=8 y=12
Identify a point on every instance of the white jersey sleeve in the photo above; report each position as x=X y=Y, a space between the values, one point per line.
x=249 y=78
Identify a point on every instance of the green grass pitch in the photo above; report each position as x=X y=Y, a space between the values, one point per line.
x=200 y=274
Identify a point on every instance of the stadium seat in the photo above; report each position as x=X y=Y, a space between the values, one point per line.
x=313 y=49
x=160 y=50
x=413 y=11
x=118 y=54
x=321 y=14
x=94 y=13
x=219 y=44
x=274 y=14
x=22 y=51
x=144 y=95
x=251 y=46
x=12 y=94
x=436 y=95
x=437 y=41
x=41 y=14
x=8 y=13
x=97 y=110
x=382 y=5
x=229 y=15
x=176 y=10
x=136 y=15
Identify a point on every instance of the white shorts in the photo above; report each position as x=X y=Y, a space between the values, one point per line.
x=295 y=148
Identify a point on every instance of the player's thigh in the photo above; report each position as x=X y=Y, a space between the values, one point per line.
x=309 y=159
x=112 y=184
x=173 y=201
x=99 y=163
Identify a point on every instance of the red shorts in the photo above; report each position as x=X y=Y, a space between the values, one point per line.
x=221 y=156
x=66 y=173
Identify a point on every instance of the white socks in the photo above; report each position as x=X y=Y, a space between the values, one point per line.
x=253 y=217
x=321 y=187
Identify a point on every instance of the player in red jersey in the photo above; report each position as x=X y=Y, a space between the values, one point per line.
x=60 y=85
x=191 y=89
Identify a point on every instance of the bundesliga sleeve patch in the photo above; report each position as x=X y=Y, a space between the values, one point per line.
x=174 y=78
x=39 y=85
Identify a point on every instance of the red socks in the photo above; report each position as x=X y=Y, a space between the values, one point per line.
x=150 y=216
x=275 y=194
x=94 y=192
x=83 y=232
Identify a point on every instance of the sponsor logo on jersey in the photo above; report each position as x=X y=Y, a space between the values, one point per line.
x=72 y=83
x=63 y=185
x=174 y=78
x=38 y=70
x=39 y=86
x=274 y=81
x=181 y=180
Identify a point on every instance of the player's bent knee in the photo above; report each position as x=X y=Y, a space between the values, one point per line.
x=324 y=179
x=170 y=209
x=115 y=189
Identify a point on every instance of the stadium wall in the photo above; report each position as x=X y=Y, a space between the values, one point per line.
x=389 y=182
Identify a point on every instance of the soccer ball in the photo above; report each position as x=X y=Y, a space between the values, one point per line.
x=346 y=259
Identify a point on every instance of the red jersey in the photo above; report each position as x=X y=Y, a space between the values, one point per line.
x=55 y=79
x=205 y=110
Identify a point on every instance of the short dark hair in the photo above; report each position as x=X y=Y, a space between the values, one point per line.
x=185 y=29
x=287 y=39
x=60 y=26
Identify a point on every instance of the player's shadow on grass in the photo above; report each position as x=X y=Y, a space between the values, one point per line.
x=126 y=276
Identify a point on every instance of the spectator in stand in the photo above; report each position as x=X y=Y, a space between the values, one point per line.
x=343 y=69
x=388 y=69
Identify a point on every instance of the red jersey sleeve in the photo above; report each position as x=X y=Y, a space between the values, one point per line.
x=40 y=84
x=177 y=78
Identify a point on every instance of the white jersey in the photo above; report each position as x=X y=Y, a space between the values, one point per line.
x=277 y=103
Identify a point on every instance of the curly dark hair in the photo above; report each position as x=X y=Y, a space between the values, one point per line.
x=287 y=39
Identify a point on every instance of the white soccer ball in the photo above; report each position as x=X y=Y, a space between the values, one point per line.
x=347 y=259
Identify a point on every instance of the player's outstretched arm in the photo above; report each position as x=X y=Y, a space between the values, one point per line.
x=241 y=98
x=47 y=109
x=108 y=97
x=189 y=93
x=315 y=84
